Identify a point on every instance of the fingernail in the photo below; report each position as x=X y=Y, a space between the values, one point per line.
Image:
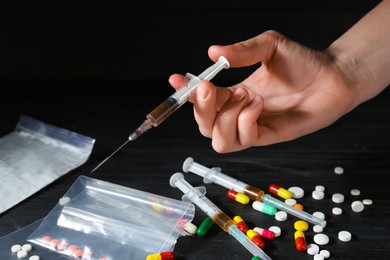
x=238 y=95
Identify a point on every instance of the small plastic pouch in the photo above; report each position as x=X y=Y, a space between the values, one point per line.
x=97 y=219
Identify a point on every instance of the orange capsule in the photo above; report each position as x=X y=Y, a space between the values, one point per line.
x=239 y=197
x=300 y=242
x=241 y=224
x=169 y=255
x=255 y=238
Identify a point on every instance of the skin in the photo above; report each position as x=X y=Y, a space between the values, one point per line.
x=295 y=90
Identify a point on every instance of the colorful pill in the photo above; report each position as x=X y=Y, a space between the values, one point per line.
x=205 y=227
x=301 y=225
x=264 y=232
x=255 y=238
x=241 y=224
x=300 y=242
x=298 y=206
x=239 y=197
x=79 y=253
x=169 y=255
x=255 y=258
x=265 y=208
x=279 y=191
x=46 y=239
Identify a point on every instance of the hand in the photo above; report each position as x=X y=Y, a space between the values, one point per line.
x=294 y=92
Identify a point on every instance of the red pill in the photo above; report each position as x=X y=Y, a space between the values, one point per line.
x=169 y=255
x=239 y=197
x=240 y=224
x=279 y=191
x=73 y=248
x=79 y=253
x=255 y=238
x=46 y=239
x=300 y=242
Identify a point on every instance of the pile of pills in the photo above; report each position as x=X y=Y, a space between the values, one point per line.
x=22 y=251
x=68 y=249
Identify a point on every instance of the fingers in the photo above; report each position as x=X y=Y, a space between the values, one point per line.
x=235 y=127
x=207 y=103
x=246 y=53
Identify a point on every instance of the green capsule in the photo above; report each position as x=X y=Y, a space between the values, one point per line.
x=204 y=227
x=255 y=258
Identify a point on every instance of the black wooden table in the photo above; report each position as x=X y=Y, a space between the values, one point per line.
x=79 y=70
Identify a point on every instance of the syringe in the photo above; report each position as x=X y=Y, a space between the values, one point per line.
x=177 y=99
x=214 y=175
x=217 y=215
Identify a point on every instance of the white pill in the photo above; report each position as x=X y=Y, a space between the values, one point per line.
x=337 y=211
x=318 y=257
x=367 y=202
x=312 y=249
x=281 y=215
x=319 y=187
x=64 y=200
x=321 y=239
x=276 y=230
x=338 y=198
x=34 y=257
x=290 y=202
x=16 y=248
x=345 y=236
x=325 y=253
x=190 y=228
x=318 y=194
x=338 y=170
x=22 y=254
x=355 y=192
x=318 y=228
x=357 y=206
x=319 y=214
x=297 y=192
x=27 y=247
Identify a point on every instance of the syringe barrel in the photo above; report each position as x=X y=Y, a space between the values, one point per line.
x=183 y=94
x=247 y=243
x=268 y=199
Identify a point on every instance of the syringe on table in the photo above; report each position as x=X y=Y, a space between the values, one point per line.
x=214 y=175
x=196 y=196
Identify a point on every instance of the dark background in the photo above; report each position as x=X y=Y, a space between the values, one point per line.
x=98 y=67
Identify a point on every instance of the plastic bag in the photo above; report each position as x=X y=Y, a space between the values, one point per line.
x=97 y=219
x=34 y=155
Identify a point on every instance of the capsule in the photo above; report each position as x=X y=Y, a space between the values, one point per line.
x=169 y=255
x=265 y=208
x=255 y=258
x=264 y=232
x=300 y=242
x=255 y=238
x=239 y=197
x=279 y=191
x=204 y=227
x=241 y=224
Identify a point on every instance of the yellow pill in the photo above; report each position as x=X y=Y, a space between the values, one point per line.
x=301 y=225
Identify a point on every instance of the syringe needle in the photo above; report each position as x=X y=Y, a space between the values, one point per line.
x=100 y=164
